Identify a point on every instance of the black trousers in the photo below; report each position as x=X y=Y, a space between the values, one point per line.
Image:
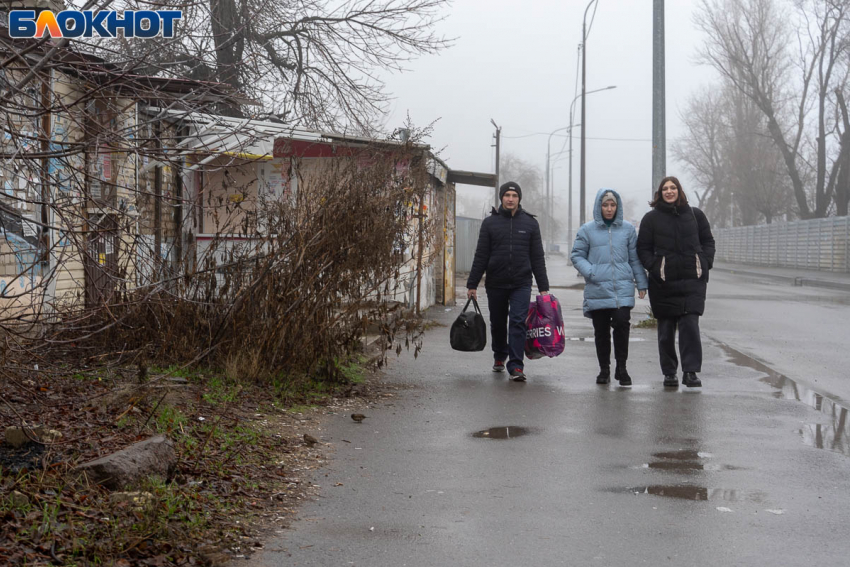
x=603 y=321
x=508 y=311
x=690 y=346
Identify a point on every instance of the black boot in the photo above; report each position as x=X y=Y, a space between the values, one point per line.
x=690 y=380
x=604 y=375
x=671 y=381
x=622 y=375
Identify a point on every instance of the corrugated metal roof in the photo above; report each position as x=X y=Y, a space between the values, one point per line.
x=249 y=138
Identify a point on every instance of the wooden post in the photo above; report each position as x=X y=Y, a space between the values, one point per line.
x=157 y=204
x=419 y=251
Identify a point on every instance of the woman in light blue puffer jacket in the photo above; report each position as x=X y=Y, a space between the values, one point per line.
x=605 y=254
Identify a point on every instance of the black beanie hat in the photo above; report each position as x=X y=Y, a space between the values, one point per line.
x=510 y=186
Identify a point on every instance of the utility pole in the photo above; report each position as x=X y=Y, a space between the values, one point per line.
x=570 y=190
x=659 y=127
x=583 y=117
x=582 y=175
x=548 y=181
x=498 y=136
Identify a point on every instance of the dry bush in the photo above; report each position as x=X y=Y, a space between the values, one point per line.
x=327 y=265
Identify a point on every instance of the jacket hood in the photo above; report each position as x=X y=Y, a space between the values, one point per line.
x=597 y=208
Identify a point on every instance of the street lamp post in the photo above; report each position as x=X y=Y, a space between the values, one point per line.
x=570 y=192
x=583 y=117
x=549 y=194
x=659 y=121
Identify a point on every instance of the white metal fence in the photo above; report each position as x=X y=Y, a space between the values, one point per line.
x=817 y=244
x=467 y=238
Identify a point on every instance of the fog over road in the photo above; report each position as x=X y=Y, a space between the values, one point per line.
x=464 y=467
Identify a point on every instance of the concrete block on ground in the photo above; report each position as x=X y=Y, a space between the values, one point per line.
x=153 y=457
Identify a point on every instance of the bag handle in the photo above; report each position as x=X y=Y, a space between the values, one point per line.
x=474 y=302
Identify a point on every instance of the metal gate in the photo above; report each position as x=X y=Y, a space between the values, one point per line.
x=101 y=259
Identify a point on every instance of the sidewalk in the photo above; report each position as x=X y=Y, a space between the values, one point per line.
x=461 y=466
x=562 y=275
x=796 y=277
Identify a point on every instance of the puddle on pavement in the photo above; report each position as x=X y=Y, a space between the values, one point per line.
x=683 y=455
x=833 y=436
x=509 y=432
x=685 y=462
x=691 y=492
x=667 y=440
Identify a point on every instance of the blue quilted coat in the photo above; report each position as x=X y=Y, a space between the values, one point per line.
x=607 y=258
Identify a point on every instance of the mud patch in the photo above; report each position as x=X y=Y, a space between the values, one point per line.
x=28 y=457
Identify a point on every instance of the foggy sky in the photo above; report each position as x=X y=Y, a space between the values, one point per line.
x=516 y=62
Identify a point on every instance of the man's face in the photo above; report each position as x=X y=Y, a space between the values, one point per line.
x=510 y=201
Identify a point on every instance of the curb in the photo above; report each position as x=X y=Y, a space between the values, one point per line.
x=796 y=281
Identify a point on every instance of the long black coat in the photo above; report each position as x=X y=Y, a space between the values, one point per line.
x=510 y=250
x=676 y=247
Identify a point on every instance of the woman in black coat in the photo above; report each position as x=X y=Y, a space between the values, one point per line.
x=676 y=247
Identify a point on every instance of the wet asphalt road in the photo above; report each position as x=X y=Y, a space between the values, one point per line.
x=752 y=469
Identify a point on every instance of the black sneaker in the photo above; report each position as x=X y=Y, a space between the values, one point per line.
x=690 y=380
x=604 y=376
x=517 y=375
x=498 y=366
x=622 y=375
x=671 y=381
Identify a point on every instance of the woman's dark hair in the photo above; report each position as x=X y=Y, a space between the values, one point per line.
x=657 y=199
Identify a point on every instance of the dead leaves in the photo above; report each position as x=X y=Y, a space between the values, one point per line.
x=245 y=472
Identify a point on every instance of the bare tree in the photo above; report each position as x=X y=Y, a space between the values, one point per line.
x=315 y=63
x=756 y=176
x=700 y=150
x=748 y=43
x=729 y=152
x=842 y=183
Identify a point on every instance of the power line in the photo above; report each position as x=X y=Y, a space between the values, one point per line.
x=618 y=139
x=577 y=137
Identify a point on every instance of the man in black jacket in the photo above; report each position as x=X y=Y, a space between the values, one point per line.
x=510 y=250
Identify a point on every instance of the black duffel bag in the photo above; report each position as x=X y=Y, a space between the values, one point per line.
x=469 y=332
